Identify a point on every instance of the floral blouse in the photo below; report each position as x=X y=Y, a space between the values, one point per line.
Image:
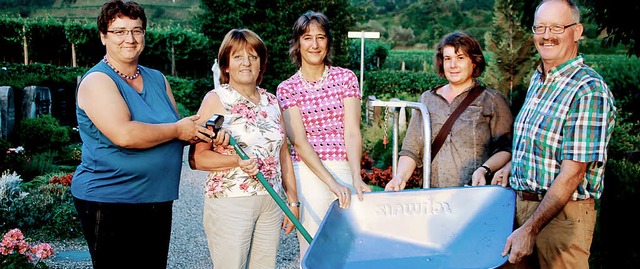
x=258 y=131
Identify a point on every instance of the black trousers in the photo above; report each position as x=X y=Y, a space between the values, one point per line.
x=126 y=235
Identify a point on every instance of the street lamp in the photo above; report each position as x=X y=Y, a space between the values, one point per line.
x=362 y=35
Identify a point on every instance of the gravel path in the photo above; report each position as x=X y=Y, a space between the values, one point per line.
x=188 y=249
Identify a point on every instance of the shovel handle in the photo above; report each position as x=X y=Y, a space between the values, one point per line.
x=273 y=193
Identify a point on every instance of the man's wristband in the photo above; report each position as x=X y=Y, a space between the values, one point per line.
x=296 y=204
x=486 y=168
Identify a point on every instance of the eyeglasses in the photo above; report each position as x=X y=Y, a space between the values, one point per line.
x=554 y=29
x=124 y=32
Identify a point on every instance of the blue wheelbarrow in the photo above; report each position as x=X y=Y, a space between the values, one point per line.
x=461 y=227
x=458 y=227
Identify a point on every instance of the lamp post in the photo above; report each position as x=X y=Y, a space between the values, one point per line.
x=362 y=35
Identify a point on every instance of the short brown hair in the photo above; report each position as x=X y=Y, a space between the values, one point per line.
x=462 y=42
x=118 y=9
x=237 y=39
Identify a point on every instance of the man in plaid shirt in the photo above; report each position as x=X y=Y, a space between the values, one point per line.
x=559 y=148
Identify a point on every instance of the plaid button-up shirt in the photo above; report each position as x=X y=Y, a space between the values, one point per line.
x=569 y=113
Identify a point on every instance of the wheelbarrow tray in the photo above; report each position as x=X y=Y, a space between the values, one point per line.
x=460 y=227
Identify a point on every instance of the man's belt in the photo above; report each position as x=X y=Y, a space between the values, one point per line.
x=530 y=196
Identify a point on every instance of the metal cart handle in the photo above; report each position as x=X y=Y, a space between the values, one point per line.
x=426 y=124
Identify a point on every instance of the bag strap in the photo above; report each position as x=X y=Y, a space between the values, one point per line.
x=446 y=127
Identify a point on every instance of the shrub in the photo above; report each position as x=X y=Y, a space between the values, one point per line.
x=397 y=83
x=379 y=177
x=39 y=208
x=70 y=155
x=189 y=93
x=53 y=212
x=42 y=134
x=417 y=60
x=14 y=158
x=63 y=180
x=10 y=195
x=37 y=164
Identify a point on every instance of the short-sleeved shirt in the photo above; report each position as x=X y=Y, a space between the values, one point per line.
x=483 y=129
x=258 y=131
x=322 y=109
x=568 y=114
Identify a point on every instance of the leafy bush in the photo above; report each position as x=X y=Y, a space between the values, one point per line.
x=373 y=144
x=52 y=205
x=70 y=155
x=621 y=181
x=10 y=195
x=397 y=83
x=63 y=180
x=375 y=54
x=189 y=93
x=12 y=159
x=625 y=137
x=37 y=164
x=420 y=60
x=39 y=208
x=380 y=177
x=43 y=134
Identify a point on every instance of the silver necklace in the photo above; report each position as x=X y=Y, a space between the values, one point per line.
x=137 y=74
x=319 y=84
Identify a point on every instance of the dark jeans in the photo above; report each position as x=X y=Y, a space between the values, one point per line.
x=126 y=235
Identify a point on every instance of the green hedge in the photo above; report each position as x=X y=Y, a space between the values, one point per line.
x=50 y=40
x=413 y=60
x=398 y=83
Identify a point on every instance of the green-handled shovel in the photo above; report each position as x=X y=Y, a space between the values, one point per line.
x=216 y=122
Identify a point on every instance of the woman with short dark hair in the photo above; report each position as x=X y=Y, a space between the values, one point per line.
x=479 y=141
x=132 y=145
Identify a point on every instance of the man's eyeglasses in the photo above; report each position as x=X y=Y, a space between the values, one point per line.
x=124 y=32
x=554 y=29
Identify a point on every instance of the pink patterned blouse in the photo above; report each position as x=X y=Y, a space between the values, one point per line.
x=322 y=107
x=258 y=131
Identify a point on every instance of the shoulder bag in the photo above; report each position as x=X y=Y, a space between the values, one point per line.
x=446 y=127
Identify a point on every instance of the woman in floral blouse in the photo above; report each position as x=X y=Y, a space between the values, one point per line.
x=242 y=222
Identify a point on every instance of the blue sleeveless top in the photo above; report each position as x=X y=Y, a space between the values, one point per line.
x=111 y=174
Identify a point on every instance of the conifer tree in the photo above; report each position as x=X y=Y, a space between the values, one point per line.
x=511 y=46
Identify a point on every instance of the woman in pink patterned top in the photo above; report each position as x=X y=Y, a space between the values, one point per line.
x=241 y=220
x=321 y=108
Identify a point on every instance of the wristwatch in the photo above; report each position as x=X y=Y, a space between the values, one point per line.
x=488 y=170
x=296 y=204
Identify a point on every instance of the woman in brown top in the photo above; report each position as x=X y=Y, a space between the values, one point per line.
x=480 y=139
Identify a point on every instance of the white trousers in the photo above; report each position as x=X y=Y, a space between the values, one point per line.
x=243 y=232
x=315 y=196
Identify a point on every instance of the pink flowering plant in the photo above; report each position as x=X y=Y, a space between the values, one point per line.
x=15 y=252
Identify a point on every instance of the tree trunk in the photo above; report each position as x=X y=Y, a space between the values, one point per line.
x=173 y=61
x=25 y=48
x=73 y=55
